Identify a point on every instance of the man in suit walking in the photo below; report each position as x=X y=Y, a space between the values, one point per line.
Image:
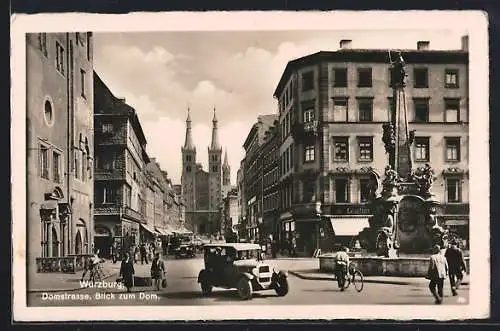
x=456 y=263
x=437 y=273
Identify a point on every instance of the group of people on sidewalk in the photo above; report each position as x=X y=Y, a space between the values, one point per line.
x=451 y=264
x=158 y=272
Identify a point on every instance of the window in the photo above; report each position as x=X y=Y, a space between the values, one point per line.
x=422 y=149
x=421 y=78
x=56 y=167
x=340 y=110
x=340 y=77
x=44 y=162
x=341 y=149
x=42 y=38
x=364 y=189
x=107 y=162
x=452 y=149
x=80 y=38
x=392 y=78
x=365 y=148
x=77 y=164
x=106 y=195
x=309 y=153
x=341 y=190
x=451 y=78
x=365 y=108
x=84 y=166
x=308 y=115
x=421 y=109
x=452 y=110
x=59 y=58
x=107 y=128
x=48 y=113
x=307 y=81
x=214 y=168
x=82 y=83
x=188 y=158
x=453 y=190
x=365 y=77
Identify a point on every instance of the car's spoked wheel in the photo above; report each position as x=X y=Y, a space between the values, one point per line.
x=282 y=286
x=245 y=289
x=206 y=287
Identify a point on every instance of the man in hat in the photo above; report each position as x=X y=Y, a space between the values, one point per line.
x=456 y=263
x=437 y=272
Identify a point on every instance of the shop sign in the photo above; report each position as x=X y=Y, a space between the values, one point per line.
x=351 y=209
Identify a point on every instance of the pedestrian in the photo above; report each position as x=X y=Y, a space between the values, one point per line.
x=157 y=271
x=341 y=266
x=293 y=249
x=136 y=254
x=127 y=272
x=456 y=265
x=437 y=272
x=144 y=253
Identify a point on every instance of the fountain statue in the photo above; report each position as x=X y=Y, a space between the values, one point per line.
x=403 y=206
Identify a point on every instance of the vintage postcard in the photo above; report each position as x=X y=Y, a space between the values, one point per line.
x=250 y=165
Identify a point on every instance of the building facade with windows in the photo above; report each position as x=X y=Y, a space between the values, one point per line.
x=202 y=190
x=332 y=108
x=59 y=149
x=253 y=176
x=120 y=186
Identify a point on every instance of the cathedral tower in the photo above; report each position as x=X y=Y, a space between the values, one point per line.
x=226 y=176
x=215 y=178
x=188 y=172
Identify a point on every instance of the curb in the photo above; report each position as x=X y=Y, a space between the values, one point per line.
x=66 y=289
x=366 y=280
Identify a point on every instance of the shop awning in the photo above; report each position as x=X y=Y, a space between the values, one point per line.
x=182 y=230
x=150 y=229
x=163 y=232
x=349 y=226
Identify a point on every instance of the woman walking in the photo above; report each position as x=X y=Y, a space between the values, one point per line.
x=157 y=271
x=127 y=272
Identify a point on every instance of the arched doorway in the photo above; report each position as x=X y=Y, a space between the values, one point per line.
x=55 y=243
x=102 y=240
x=78 y=243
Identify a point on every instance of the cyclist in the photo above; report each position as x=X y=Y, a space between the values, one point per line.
x=341 y=266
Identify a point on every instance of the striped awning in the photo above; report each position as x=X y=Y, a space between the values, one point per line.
x=150 y=229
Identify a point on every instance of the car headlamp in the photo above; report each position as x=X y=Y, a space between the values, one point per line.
x=255 y=271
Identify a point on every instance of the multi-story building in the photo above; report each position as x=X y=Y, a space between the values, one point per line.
x=253 y=184
x=231 y=213
x=270 y=159
x=202 y=190
x=120 y=152
x=332 y=107
x=59 y=148
x=226 y=176
x=240 y=183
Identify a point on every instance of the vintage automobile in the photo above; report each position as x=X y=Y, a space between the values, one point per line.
x=240 y=266
x=183 y=247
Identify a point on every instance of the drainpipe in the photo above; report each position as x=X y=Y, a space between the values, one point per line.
x=69 y=147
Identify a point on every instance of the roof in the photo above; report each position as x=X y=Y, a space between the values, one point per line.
x=372 y=56
x=237 y=246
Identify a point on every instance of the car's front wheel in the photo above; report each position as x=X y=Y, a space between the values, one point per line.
x=245 y=288
x=282 y=286
x=206 y=287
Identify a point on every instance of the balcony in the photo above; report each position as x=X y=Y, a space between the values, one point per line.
x=106 y=209
x=308 y=130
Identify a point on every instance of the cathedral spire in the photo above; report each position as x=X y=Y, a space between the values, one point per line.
x=188 y=143
x=226 y=162
x=215 y=136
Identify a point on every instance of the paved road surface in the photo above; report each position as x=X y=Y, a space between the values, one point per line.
x=183 y=289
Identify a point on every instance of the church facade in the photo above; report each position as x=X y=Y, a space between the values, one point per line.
x=202 y=191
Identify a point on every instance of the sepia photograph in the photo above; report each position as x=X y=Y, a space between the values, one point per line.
x=291 y=165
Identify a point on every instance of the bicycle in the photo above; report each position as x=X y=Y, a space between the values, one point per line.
x=96 y=273
x=355 y=277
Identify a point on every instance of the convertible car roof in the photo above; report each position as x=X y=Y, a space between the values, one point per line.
x=236 y=246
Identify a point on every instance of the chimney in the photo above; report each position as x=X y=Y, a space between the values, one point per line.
x=465 y=43
x=345 y=43
x=423 y=45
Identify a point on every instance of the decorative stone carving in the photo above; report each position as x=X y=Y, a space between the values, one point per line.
x=423 y=177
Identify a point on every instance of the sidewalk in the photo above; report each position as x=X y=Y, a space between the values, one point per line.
x=57 y=282
x=315 y=274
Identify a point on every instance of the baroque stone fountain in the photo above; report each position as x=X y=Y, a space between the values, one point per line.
x=402 y=204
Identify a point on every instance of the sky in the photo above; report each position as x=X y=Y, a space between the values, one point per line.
x=161 y=74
